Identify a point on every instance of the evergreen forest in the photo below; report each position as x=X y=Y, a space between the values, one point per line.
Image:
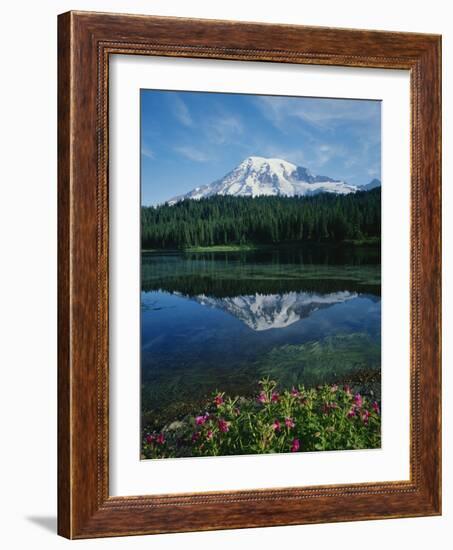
x=227 y=220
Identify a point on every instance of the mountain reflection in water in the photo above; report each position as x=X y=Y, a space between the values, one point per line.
x=223 y=321
x=264 y=312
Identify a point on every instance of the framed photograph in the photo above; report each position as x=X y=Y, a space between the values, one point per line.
x=249 y=275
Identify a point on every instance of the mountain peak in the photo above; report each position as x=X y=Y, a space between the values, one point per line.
x=273 y=164
x=257 y=176
x=260 y=161
x=372 y=185
x=253 y=160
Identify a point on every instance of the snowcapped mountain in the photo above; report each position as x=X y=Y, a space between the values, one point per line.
x=256 y=176
x=263 y=312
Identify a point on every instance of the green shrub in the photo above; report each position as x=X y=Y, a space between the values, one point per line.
x=326 y=418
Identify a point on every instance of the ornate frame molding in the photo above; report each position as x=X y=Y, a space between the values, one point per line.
x=86 y=40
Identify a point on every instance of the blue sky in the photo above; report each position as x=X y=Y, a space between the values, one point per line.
x=193 y=138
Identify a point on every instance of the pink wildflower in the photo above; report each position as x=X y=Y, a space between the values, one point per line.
x=334 y=388
x=375 y=407
x=262 y=397
x=275 y=397
x=365 y=416
x=218 y=400
x=149 y=438
x=160 y=439
x=200 y=420
x=276 y=425
x=295 y=392
x=224 y=426
x=351 y=413
x=195 y=436
x=209 y=434
x=289 y=422
x=358 y=400
x=295 y=446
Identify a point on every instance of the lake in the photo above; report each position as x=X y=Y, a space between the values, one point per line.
x=223 y=320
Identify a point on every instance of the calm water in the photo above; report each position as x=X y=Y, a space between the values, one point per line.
x=224 y=320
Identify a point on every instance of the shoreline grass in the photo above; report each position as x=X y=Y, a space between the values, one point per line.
x=223 y=248
x=365 y=242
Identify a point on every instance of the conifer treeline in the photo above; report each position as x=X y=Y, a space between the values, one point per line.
x=224 y=220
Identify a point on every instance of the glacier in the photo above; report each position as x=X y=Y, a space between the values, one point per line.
x=260 y=176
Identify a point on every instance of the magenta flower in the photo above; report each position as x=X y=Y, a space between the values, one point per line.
x=358 y=400
x=209 y=434
x=351 y=413
x=218 y=400
x=289 y=422
x=262 y=397
x=275 y=397
x=294 y=392
x=224 y=426
x=375 y=407
x=276 y=425
x=160 y=439
x=195 y=436
x=200 y=420
x=295 y=446
x=365 y=416
x=149 y=438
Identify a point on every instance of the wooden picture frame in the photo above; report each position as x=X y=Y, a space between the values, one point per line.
x=85 y=42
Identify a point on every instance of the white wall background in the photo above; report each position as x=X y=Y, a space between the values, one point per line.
x=28 y=216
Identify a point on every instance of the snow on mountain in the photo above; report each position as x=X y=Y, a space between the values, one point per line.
x=272 y=311
x=256 y=176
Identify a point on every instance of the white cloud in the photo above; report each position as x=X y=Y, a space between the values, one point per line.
x=147 y=152
x=320 y=113
x=325 y=153
x=223 y=128
x=312 y=156
x=181 y=111
x=192 y=153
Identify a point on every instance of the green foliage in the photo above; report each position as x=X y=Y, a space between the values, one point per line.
x=321 y=419
x=225 y=220
x=222 y=248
